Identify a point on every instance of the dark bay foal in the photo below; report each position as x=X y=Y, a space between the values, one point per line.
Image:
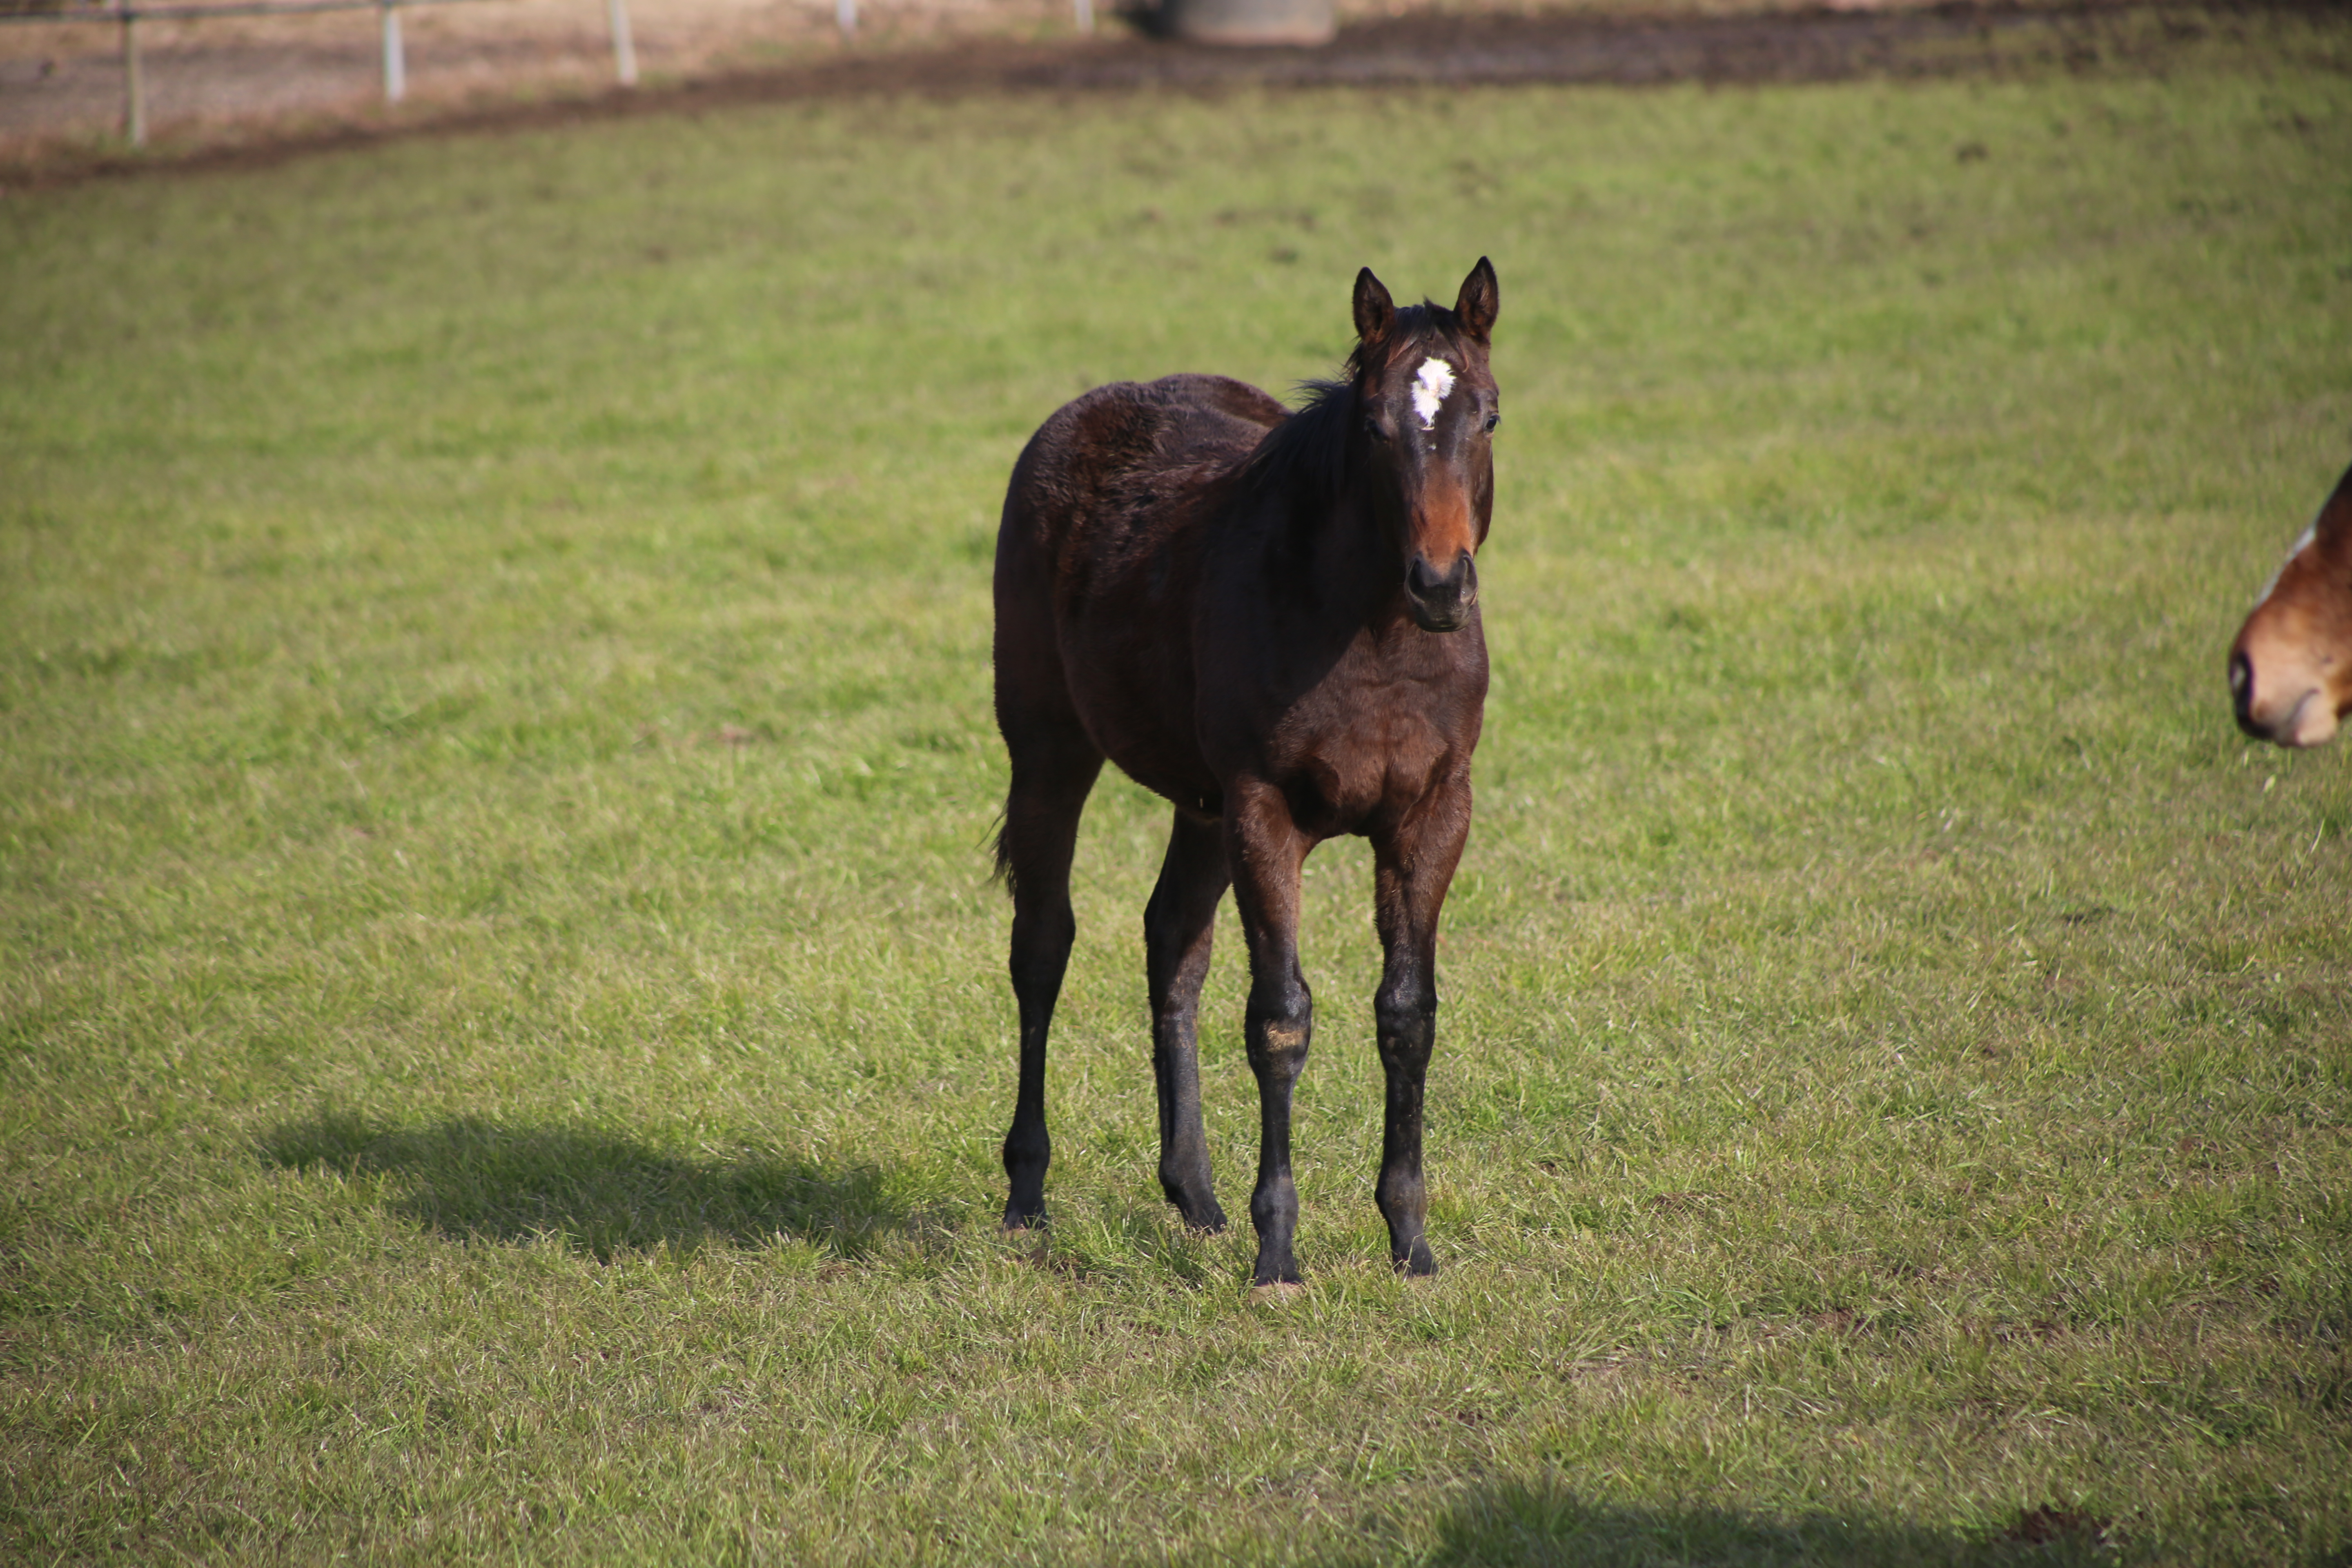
x=1270 y=619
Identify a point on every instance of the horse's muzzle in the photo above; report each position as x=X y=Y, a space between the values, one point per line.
x=2289 y=709
x=1442 y=603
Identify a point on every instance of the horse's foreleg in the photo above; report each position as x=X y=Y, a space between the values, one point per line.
x=1264 y=849
x=1050 y=783
x=1177 y=927
x=1413 y=868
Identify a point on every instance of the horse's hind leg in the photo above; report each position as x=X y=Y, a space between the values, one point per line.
x=1177 y=927
x=1054 y=767
x=1265 y=849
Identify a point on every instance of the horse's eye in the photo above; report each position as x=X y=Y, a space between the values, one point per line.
x=1493 y=420
x=1372 y=428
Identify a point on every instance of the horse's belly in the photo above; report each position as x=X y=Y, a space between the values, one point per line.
x=1134 y=694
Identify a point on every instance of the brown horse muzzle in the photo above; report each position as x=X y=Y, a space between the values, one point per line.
x=1441 y=603
x=2280 y=695
x=2291 y=666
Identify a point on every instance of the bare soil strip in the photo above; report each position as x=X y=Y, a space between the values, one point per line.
x=1429 y=49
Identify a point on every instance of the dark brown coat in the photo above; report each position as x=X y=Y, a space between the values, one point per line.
x=1271 y=620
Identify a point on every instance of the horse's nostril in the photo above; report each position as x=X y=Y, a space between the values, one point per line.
x=2242 y=685
x=2241 y=696
x=1425 y=576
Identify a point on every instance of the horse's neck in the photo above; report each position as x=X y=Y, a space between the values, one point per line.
x=1357 y=578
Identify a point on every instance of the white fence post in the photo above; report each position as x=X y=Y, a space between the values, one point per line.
x=395 y=56
x=135 y=85
x=625 y=48
x=1084 y=15
x=845 y=16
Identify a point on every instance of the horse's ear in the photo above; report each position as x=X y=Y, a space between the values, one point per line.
x=1375 y=311
x=1475 y=308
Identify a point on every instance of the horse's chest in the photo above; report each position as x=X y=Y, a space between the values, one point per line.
x=1339 y=776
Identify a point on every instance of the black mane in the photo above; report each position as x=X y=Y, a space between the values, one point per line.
x=1308 y=451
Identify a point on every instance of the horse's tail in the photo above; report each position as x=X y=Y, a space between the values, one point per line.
x=1004 y=855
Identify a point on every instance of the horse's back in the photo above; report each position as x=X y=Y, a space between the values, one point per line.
x=1105 y=459
x=1092 y=580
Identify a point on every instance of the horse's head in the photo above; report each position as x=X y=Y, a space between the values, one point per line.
x=1426 y=409
x=2290 y=667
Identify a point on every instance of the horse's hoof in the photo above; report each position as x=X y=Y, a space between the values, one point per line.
x=1419 y=1263
x=1022 y=1225
x=1273 y=1293
x=1196 y=1204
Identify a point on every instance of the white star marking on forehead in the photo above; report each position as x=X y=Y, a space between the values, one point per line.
x=1429 y=389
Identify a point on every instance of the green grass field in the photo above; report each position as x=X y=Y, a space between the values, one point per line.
x=502 y=1013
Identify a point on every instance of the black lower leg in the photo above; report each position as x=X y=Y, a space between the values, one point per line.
x=1277 y=1051
x=1052 y=769
x=1407 y=1033
x=1183 y=1143
x=1177 y=926
x=1041 y=952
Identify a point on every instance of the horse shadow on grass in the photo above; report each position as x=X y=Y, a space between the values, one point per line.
x=1550 y=1522
x=599 y=1192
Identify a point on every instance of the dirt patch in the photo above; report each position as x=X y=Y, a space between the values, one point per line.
x=237 y=93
